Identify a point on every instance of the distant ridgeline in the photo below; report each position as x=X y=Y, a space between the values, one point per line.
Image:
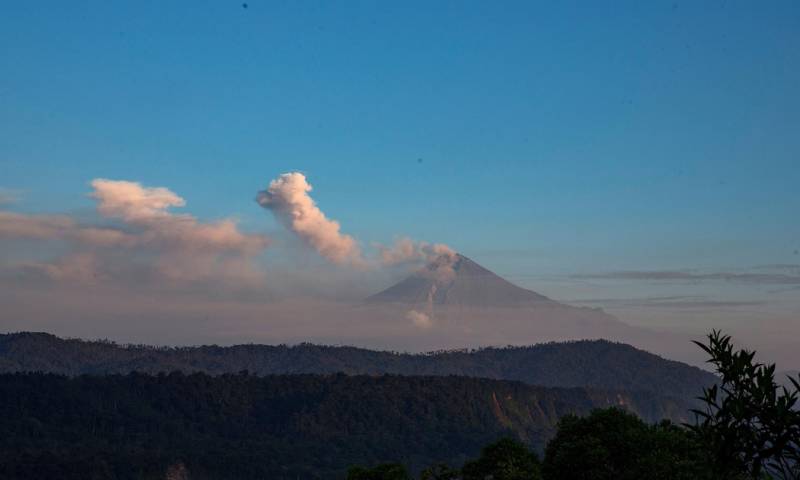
x=598 y=363
x=241 y=426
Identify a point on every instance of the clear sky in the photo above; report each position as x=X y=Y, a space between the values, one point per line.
x=556 y=138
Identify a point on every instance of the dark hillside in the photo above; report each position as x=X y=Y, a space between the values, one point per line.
x=296 y=426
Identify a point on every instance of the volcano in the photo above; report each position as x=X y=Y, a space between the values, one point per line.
x=454 y=279
x=454 y=302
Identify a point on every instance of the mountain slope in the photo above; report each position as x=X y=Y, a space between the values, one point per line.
x=297 y=426
x=457 y=280
x=596 y=363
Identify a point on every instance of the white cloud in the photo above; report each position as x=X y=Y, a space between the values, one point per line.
x=163 y=245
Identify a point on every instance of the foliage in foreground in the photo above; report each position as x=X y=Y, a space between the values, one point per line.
x=387 y=471
x=750 y=426
x=503 y=460
x=612 y=444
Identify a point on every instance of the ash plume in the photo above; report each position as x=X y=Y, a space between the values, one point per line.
x=438 y=258
x=287 y=197
x=420 y=319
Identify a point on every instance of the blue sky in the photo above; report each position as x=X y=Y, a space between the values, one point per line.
x=538 y=138
x=557 y=144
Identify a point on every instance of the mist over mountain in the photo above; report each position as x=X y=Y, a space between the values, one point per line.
x=450 y=302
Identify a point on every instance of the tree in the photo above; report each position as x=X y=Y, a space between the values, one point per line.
x=386 y=471
x=505 y=459
x=440 y=472
x=749 y=426
x=611 y=444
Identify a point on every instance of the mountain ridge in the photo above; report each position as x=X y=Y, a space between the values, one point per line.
x=581 y=363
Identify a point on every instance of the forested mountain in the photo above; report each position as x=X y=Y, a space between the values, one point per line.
x=242 y=426
x=597 y=363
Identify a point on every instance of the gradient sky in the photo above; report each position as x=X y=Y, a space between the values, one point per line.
x=544 y=140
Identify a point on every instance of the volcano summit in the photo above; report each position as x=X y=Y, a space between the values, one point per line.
x=454 y=279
